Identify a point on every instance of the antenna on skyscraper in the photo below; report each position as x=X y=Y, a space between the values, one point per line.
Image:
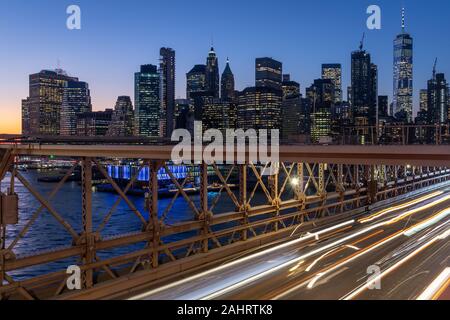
x=361 y=44
x=403 y=19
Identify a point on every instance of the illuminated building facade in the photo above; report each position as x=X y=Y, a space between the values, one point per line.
x=424 y=100
x=26 y=116
x=196 y=80
x=227 y=84
x=212 y=74
x=94 y=124
x=333 y=72
x=76 y=100
x=403 y=73
x=321 y=95
x=438 y=92
x=290 y=88
x=167 y=72
x=147 y=102
x=122 y=121
x=259 y=108
x=45 y=101
x=268 y=73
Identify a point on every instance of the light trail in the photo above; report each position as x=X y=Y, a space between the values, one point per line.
x=434 y=290
x=424 y=207
x=399 y=207
x=298 y=260
x=239 y=261
x=358 y=255
x=434 y=219
x=287 y=264
x=395 y=266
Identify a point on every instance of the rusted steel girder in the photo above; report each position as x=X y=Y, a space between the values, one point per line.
x=298 y=192
x=430 y=155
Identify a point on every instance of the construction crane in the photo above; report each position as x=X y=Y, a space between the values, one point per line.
x=434 y=68
x=361 y=44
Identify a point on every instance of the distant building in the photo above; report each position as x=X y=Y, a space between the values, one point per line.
x=364 y=93
x=321 y=95
x=438 y=93
x=268 y=73
x=227 y=85
x=167 y=71
x=403 y=73
x=45 y=101
x=147 y=102
x=76 y=100
x=304 y=121
x=94 y=124
x=122 y=121
x=184 y=116
x=196 y=80
x=218 y=114
x=26 y=116
x=291 y=110
x=212 y=74
x=290 y=88
x=341 y=118
x=333 y=72
x=423 y=100
x=383 y=106
x=259 y=108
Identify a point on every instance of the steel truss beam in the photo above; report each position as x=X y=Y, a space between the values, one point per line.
x=297 y=193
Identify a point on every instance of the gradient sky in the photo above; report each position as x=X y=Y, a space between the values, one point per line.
x=118 y=36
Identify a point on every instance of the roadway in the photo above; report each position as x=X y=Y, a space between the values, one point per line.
x=403 y=249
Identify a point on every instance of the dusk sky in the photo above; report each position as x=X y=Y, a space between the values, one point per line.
x=117 y=36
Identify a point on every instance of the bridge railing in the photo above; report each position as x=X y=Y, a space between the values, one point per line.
x=229 y=208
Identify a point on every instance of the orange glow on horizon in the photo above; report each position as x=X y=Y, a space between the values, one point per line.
x=10 y=119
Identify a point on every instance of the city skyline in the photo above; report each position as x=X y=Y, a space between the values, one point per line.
x=301 y=69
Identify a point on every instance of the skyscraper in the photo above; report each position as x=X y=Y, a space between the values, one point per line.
x=403 y=72
x=45 y=101
x=268 y=73
x=227 y=85
x=291 y=108
x=122 y=121
x=212 y=74
x=321 y=95
x=217 y=113
x=423 y=100
x=76 y=100
x=26 y=116
x=196 y=80
x=147 y=102
x=259 y=108
x=167 y=70
x=290 y=88
x=383 y=106
x=94 y=124
x=438 y=92
x=364 y=88
x=334 y=73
